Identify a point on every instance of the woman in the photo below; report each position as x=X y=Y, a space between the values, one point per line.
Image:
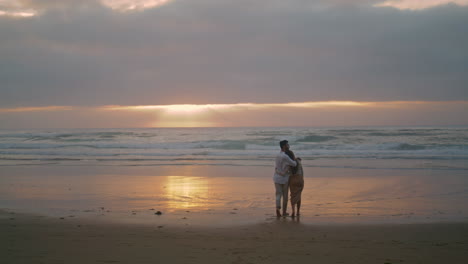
x=296 y=184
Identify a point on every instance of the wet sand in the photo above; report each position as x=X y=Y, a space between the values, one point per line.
x=230 y=195
x=107 y=215
x=39 y=239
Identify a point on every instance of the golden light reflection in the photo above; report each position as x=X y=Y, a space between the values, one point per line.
x=186 y=192
x=418 y=4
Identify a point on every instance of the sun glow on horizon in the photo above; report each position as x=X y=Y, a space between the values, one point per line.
x=201 y=107
x=204 y=115
x=321 y=113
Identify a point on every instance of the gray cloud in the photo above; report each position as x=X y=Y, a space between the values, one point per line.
x=235 y=51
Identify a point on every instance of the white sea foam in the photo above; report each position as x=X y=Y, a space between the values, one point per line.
x=235 y=146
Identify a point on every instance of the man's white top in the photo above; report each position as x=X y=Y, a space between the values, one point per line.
x=282 y=168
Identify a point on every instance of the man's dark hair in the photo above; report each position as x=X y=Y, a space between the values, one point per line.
x=283 y=143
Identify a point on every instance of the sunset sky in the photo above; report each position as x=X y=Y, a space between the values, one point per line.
x=190 y=63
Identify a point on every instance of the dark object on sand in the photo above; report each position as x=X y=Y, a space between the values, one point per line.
x=158 y=213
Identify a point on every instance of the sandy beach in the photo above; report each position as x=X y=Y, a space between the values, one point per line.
x=85 y=214
x=228 y=195
x=38 y=239
x=156 y=131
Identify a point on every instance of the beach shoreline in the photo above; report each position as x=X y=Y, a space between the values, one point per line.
x=38 y=239
x=229 y=195
x=225 y=214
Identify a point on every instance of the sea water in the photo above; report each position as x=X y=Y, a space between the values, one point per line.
x=392 y=148
x=224 y=175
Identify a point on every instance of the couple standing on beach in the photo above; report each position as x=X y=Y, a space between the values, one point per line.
x=288 y=175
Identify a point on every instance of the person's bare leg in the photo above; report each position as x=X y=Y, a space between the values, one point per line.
x=293 y=206
x=278 y=214
x=298 y=207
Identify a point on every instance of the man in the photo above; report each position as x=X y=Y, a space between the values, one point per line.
x=281 y=177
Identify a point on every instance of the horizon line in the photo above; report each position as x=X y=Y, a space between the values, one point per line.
x=305 y=104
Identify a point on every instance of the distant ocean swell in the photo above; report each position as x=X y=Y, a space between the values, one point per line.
x=235 y=146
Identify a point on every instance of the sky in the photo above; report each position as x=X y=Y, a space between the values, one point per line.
x=185 y=63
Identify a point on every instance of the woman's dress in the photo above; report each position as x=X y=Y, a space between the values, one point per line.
x=296 y=183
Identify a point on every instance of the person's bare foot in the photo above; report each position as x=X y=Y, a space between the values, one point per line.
x=278 y=214
x=285 y=214
x=293 y=214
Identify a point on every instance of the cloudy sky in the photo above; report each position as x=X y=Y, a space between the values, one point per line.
x=121 y=63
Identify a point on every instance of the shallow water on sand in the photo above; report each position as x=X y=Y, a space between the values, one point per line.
x=227 y=195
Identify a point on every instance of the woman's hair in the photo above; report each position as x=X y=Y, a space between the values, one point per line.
x=293 y=157
x=290 y=154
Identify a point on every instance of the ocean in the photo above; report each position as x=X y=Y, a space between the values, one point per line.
x=202 y=176
x=370 y=148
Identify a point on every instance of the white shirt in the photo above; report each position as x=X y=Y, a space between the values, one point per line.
x=282 y=168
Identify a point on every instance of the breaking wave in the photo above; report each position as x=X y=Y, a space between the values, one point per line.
x=230 y=145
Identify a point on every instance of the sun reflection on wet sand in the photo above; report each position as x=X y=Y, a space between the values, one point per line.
x=233 y=194
x=186 y=192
